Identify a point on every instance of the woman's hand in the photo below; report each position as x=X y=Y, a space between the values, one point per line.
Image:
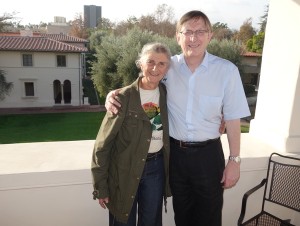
x=103 y=202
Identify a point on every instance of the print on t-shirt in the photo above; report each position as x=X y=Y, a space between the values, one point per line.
x=153 y=112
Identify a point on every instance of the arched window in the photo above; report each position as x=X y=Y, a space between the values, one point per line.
x=67 y=92
x=57 y=91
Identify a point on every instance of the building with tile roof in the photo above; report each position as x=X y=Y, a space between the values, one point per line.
x=45 y=69
x=251 y=63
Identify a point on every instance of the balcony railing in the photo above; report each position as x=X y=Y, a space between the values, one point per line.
x=47 y=184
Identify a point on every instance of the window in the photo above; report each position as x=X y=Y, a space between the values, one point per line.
x=29 y=86
x=61 y=61
x=29 y=89
x=27 y=60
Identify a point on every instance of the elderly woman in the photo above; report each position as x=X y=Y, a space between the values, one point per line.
x=130 y=163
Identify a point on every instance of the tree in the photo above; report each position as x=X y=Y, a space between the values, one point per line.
x=123 y=26
x=160 y=22
x=105 y=24
x=95 y=41
x=246 y=32
x=264 y=20
x=96 y=38
x=221 y=31
x=116 y=55
x=77 y=27
x=163 y=28
x=163 y=13
x=227 y=49
x=256 y=43
x=5 y=87
x=5 y=21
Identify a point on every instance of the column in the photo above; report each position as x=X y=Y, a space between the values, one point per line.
x=277 y=116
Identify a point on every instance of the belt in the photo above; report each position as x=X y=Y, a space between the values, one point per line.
x=192 y=144
x=154 y=155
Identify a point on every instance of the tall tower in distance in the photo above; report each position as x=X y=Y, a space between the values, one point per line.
x=92 y=15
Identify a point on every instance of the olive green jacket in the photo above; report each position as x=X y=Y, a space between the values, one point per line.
x=121 y=148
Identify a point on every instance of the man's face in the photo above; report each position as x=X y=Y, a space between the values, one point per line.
x=193 y=38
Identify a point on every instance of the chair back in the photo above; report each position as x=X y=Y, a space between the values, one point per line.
x=283 y=181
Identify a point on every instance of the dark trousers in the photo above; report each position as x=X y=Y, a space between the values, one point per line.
x=195 y=179
x=149 y=199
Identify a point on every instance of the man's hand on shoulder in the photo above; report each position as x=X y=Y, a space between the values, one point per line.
x=111 y=104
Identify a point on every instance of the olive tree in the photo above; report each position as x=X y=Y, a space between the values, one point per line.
x=227 y=49
x=116 y=55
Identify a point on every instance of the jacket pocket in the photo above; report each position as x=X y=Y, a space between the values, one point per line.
x=131 y=125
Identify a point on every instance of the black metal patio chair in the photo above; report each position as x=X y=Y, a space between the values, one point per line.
x=281 y=188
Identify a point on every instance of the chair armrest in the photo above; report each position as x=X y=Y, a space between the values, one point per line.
x=245 y=198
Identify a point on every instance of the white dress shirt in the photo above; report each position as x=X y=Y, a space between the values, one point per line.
x=197 y=100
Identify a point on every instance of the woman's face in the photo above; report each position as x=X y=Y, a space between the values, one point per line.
x=154 y=66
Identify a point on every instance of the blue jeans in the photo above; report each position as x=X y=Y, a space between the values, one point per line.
x=149 y=199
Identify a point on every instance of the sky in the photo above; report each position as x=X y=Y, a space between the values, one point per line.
x=230 y=12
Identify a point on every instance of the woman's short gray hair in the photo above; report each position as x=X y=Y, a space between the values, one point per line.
x=154 y=47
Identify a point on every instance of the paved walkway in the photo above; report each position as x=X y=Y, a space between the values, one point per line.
x=56 y=109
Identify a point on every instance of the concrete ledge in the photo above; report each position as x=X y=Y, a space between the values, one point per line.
x=45 y=156
x=51 y=183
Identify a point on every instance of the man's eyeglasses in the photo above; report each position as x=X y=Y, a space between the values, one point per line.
x=198 y=33
x=161 y=65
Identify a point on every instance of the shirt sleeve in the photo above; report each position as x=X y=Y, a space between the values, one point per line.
x=235 y=104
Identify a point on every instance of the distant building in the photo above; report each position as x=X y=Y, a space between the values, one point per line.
x=59 y=20
x=46 y=69
x=59 y=26
x=92 y=15
x=251 y=63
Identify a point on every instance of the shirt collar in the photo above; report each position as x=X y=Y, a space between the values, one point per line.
x=204 y=62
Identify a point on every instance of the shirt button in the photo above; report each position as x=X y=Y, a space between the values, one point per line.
x=137 y=178
x=143 y=160
x=126 y=214
x=148 y=140
x=132 y=196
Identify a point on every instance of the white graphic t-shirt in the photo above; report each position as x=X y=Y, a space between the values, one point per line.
x=150 y=104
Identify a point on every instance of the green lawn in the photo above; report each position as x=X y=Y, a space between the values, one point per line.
x=49 y=127
x=245 y=128
x=53 y=127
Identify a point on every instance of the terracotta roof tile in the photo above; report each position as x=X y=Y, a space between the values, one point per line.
x=252 y=54
x=64 y=38
x=37 y=44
